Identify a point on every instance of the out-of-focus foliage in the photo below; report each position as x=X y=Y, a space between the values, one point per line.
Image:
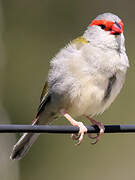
x=9 y=170
x=34 y=31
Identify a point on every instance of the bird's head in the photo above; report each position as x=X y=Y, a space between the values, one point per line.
x=106 y=30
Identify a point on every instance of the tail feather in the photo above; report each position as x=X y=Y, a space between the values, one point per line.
x=23 y=145
x=26 y=141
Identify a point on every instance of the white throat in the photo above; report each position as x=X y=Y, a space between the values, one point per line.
x=104 y=39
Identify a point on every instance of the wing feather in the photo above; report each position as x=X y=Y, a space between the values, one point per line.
x=44 y=99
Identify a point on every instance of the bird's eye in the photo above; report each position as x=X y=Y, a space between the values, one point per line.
x=102 y=26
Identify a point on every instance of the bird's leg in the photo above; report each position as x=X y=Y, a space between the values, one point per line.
x=82 y=128
x=100 y=126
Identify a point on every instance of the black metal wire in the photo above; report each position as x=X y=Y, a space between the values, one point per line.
x=6 y=128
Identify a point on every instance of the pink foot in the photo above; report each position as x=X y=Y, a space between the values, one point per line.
x=82 y=128
x=100 y=126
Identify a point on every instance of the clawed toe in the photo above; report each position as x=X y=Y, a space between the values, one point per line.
x=80 y=125
x=92 y=137
x=101 y=128
x=97 y=139
x=75 y=136
x=82 y=131
x=82 y=128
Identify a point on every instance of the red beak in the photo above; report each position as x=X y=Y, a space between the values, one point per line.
x=117 y=28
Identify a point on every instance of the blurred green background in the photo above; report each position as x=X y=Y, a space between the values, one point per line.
x=32 y=32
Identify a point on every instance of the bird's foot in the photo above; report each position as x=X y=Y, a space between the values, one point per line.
x=82 y=128
x=82 y=131
x=100 y=126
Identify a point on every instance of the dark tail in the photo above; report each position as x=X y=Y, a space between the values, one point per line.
x=23 y=145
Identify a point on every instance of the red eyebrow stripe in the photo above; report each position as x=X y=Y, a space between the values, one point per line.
x=108 y=24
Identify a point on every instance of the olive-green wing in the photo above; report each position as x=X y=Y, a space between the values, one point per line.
x=44 y=91
x=80 y=42
x=44 y=99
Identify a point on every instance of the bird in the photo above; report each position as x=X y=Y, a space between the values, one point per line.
x=84 y=79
